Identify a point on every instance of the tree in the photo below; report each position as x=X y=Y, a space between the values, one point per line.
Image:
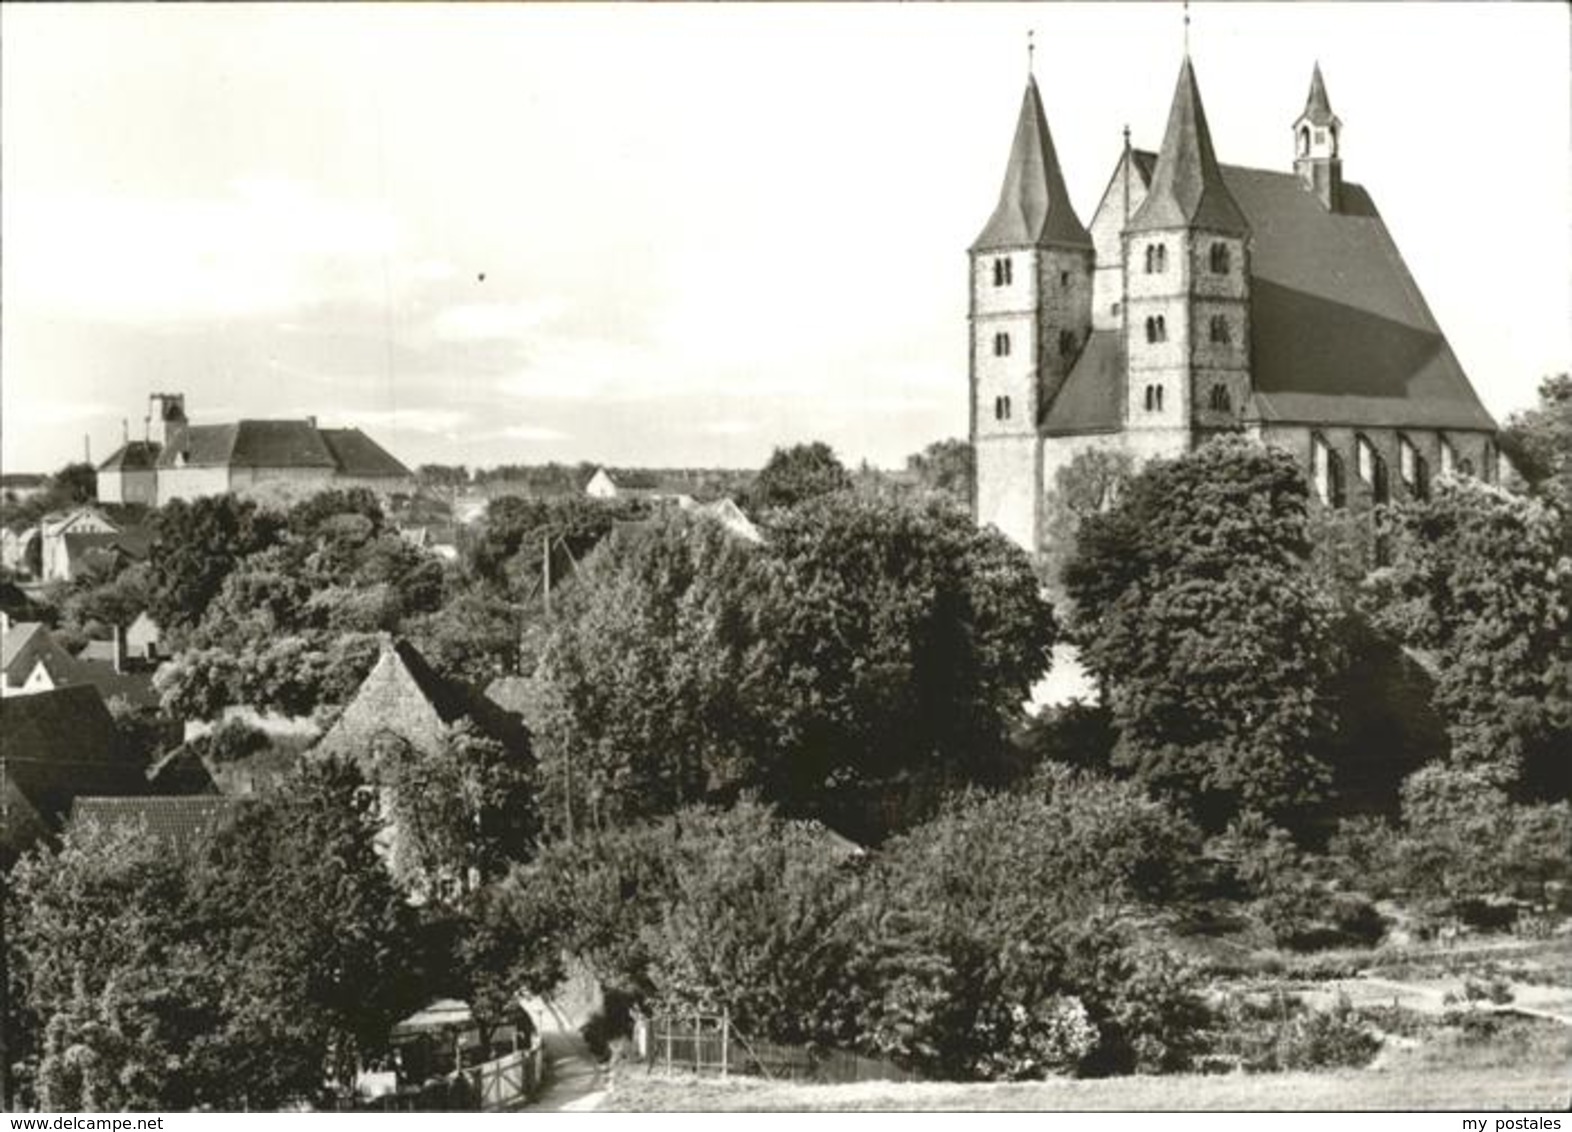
x=1195 y=606
x=798 y=473
x=1539 y=443
x=113 y=992
x=997 y=934
x=707 y=909
x=1478 y=581
x=513 y=540
x=463 y=813
x=76 y=483
x=196 y=545
x=442 y=476
x=903 y=642
x=1087 y=485
x=654 y=676
x=945 y=466
x=317 y=943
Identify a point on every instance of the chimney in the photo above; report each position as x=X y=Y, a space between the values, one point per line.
x=312 y=420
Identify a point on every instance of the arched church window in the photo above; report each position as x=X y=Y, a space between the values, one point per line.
x=1162 y=258
x=1001 y=272
x=1220 y=401
x=1159 y=398
x=1151 y=330
x=1219 y=329
x=1365 y=459
x=1151 y=398
x=1161 y=327
x=1007 y=408
x=1220 y=259
x=1001 y=345
x=1151 y=258
x=1304 y=141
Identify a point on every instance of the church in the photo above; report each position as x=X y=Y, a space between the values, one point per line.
x=1205 y=298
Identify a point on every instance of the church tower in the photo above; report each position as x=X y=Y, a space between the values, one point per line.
x=1317 y=146
x=1186 y=252
x=1031 y=313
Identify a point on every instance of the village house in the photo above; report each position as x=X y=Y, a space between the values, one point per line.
x=81 y=539
x=59 y=745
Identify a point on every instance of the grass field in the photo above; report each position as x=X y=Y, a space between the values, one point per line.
x=1533 y=1088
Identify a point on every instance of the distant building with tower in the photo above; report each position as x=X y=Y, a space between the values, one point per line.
x=189 y=461
x=1204 y=299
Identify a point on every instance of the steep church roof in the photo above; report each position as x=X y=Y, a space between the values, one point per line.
x=1318 y=109
x=1339 y=332
x=1034 y=208
x=1188 y=190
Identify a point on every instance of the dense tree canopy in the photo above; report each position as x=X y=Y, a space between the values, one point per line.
x=196 y=545
x=1539 y=442
x=242 y=976
x=869 y=653
x=1195 y=606
x=798 y=473
x=1479 y=582
x=945 y=466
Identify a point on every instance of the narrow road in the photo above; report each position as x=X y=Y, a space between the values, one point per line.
x=575 y=1081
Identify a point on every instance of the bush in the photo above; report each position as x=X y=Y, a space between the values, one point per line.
x=233 y=740
x=1283 y=1034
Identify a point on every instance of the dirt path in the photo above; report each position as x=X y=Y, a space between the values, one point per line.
x=575 y=1081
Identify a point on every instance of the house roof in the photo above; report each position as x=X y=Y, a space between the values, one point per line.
x=280 y=444
x=133 y=456
x=178 y=823
x=60 y=745
x=1339 y=332
x=356 y=454
x=1187 y=189
x=23 y=480
x=15 y=640
x=1034 y=208
x=136 y=688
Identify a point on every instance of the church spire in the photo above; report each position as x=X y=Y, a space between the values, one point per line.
x=1318 y=157
x=1318 y=108
x=1187 y=186
x=1034 y=208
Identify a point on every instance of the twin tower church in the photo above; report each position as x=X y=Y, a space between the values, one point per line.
x=1206 y=298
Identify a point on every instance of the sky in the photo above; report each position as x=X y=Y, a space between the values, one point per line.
x=677 y=235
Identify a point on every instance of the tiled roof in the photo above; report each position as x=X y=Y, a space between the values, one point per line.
x=356 y=454
x=180 y=824
x=23 y=480
x=1034 y=209
x=133 y=456
x=1187 y=187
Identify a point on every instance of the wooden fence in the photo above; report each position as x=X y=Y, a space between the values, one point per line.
x=711 y=1043
x=492 y=1086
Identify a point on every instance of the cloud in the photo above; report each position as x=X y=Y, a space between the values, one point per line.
x=728 y=428
x=435 y=421
x=536 y=433
x=484 y=322
x=266 y=245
